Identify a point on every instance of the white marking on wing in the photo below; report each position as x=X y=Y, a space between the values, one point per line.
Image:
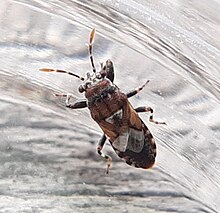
x=136 y=140
x=121 y=142
x=132 y=140
x=111 y=118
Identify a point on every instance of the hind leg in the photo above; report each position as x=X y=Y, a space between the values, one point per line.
x=106 y=157
x=148 y=109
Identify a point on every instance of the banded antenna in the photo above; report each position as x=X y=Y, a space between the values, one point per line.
x=62 y=71
x=91 y=39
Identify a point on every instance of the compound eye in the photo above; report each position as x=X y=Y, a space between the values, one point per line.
x=82 y=88
x=98 y=75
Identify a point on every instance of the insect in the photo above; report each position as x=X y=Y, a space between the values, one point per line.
x=110 y=108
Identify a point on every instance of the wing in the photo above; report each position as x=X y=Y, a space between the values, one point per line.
x=136 y=147
x=132 y=140
x=130 y=137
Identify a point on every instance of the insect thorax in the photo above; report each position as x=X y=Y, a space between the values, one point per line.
x=102 y=95
x=104 y=100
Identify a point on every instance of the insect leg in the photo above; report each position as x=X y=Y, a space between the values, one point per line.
x=77 y=105
x=110 y=70
x=99 y=150
x=148 y=109
x=135 y=91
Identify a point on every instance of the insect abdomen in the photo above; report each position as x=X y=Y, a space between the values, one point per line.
x=140 y=157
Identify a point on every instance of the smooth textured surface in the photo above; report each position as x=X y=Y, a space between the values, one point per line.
x=48 y=160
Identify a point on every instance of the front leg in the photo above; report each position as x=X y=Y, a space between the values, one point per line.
x=135 y=91
x=99 y=150
x=76 y=105
x=108 y=70
x=148 y=109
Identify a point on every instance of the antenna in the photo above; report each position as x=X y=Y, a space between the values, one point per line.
x=61 y=71
x=91 y=39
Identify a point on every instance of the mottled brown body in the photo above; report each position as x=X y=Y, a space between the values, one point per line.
x=110 y=108
x=105 y=99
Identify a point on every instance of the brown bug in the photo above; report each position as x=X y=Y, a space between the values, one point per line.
x=110 y=108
